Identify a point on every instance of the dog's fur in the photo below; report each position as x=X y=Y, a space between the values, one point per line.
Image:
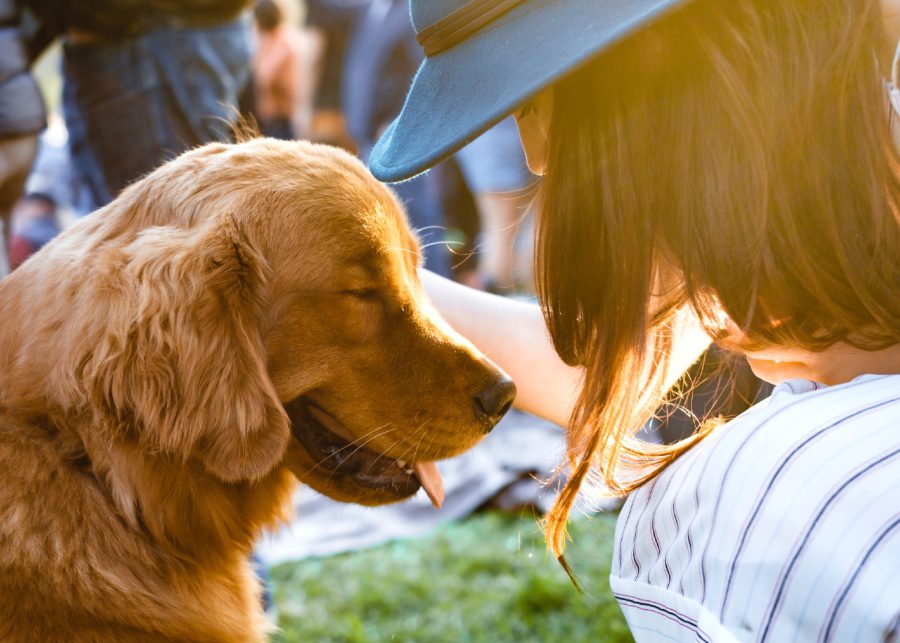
x=146 y=358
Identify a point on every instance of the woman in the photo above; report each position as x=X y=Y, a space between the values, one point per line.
x=723 y=162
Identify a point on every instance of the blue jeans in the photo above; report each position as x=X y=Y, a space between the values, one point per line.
x=130 y=105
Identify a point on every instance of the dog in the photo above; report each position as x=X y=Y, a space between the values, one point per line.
x=244 y=317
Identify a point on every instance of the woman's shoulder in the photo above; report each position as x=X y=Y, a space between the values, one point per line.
x=798 y=443
x=799 y=425
x=779 y=513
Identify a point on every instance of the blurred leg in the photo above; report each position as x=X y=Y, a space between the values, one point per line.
x=16 y=157
x=495 y=171
x=426 y=216
x=500 y=215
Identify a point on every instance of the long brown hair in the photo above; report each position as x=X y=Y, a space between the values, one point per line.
x=733 y=158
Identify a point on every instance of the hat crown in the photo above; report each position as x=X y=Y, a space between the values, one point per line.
x=427 y=12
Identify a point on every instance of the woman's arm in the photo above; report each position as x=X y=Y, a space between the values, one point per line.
x=513 y=335
x=891 y=14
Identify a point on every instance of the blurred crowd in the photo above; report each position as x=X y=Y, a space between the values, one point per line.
x=144 y=80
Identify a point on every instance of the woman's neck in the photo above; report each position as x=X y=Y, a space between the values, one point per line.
x=837 y=364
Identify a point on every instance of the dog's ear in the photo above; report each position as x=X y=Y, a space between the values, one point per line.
x=182 y=365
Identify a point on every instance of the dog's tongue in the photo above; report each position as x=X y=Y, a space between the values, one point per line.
x=431 y=481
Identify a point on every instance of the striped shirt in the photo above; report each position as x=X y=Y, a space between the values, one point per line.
x=783 y=525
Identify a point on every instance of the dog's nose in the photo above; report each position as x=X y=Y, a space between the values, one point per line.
x=494 y=401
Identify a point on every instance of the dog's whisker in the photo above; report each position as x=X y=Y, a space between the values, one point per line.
x=354 y=443
x=446 y=242
x=415 y=432
x=419 y=431
x=367 y=442
x=364 y=443
x=362 y=439
x=357 y=441
x=384 y=456
x=409 y=250
x=419 y=444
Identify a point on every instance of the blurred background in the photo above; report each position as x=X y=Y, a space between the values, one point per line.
x=95 y=95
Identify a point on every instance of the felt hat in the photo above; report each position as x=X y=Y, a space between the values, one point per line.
x=483 y=58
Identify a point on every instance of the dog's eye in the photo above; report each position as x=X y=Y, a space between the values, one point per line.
x=362 y=293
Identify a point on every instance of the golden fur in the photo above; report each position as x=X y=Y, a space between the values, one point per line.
x=147 y=357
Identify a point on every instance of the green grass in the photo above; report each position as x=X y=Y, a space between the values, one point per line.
x=486 y=579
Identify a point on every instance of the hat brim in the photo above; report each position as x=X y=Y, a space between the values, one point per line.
x=461 y=92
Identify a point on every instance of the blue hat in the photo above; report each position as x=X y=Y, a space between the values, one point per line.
x=484 y=58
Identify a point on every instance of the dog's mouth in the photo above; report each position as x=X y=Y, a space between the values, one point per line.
x=338 y=453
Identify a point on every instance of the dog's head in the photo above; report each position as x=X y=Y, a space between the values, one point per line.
x=264 y=309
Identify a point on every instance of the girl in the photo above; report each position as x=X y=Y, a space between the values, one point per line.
x=721 y=164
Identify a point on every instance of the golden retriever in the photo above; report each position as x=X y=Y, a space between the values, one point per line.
x=245 y=316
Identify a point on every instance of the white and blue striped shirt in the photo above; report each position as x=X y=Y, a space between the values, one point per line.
x=783 y=525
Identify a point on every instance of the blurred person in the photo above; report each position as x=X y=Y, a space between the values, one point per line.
x=34 y=225
x=463 y=226
x=22 y=116
x=330 y=25
x=282 y=73
x=53 y=173
x=146 y=80
x=381 y=58
x=494 y=169
x=711 y=170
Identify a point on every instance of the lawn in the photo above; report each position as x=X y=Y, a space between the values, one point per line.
x=486 y=579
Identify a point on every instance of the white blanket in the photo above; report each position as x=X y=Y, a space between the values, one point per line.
x=519 y=447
